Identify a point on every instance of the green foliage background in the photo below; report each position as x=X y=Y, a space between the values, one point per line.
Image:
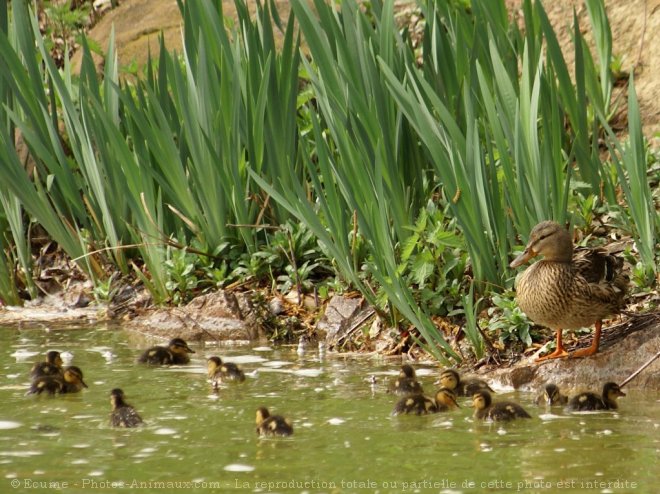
x=358 y=162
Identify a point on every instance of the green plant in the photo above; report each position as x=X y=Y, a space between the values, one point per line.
x=508 y=322
x=105 y=290
x=471 y=327
x=433 y=261
x=64 y=25
x=181 y=275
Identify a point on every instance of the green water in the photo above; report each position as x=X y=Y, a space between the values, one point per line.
x=345 y=440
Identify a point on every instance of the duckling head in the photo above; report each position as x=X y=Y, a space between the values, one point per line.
x=481 y=399
x=407 y=371
x=262 y=414
x=116 y=398
x=449 y=379
x=212 y=365
x=177 y=345
x=53 y=357
x=549 y=240
x=446 y=397
x=611 y=391
x=74 y=375
x=551 y=394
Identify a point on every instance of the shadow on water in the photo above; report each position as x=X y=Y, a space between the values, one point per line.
x=345 y=439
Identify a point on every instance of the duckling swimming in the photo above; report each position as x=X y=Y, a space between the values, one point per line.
x=551 y=396
x=406 y=383
x=504 y=410
x=71 y=381
x=272 y=425
x=419 y=404
x=451 y=379
x=176 y=353
x=51 y=367
x=123 y=414
x=593 y=401
x=223 y=371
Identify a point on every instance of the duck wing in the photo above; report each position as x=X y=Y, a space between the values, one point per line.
x=603 y=273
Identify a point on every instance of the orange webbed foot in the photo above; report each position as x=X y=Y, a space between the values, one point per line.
x=586 y=352
x=558 y=353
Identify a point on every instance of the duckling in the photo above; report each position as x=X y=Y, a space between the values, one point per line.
x=51 y=367
x=51 y=385
x=223 y=371
x=460 y=386
x=175 y=353
x=551 y=396
x=593 y=401
x=272 y=425
x=71 y=381
x=406 y=383
x=123 y=414
x=504 y=410
x=418 y=404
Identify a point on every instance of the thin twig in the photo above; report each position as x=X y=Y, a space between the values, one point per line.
x=641 y=41
x=636 y=373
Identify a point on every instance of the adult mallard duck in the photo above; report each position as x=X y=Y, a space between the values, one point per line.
x=593 y=401
x=272 y=425
x=419 y=404
x=223 y=371
x=486 y=409
x=71 y=381
x=452 y=380
x=176 y=353
x=568 y=289
x=51 y=367
x=406 y=382
x=123 y=414
x=551 y=396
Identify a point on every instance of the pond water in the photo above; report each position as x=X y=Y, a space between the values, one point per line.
x=345 y=439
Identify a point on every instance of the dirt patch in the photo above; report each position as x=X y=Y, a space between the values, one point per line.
x=635 y=27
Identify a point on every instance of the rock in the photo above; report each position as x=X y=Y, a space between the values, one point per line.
x=307 y=301
x=216 y=316
x=613 y=363
x=51 y=311
x=275 y=306
x=340 y=317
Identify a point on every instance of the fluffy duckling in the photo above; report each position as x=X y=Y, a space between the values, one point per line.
x=418 y=404
x=503 y=410
x=406 y=383
x=51 y=367
x=71 y=381
x=223 y=371
x=123 y=414
x=175 y=353
x=551 y=396
x=451 y=379
x=272 y=425
x=593 y=401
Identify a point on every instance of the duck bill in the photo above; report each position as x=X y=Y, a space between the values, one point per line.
x=83 y=383
x=189 y=350
x=522 y=258
x=548 y=400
